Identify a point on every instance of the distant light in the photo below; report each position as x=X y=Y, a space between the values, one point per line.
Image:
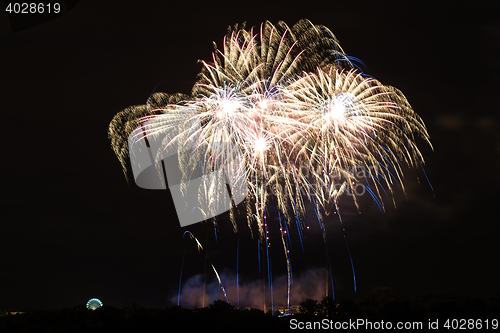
x=94 y=304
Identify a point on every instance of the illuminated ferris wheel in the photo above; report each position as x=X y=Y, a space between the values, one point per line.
x=94 y=304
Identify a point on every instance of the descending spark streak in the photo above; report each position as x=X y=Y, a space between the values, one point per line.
x=220 y=282
x=269 y=271
x=327 y=256
x=237 y=271
x=200 y=248
x=347 y=246
x=352 y=264
x=258 y=254
x=288 y=266
x=215 y=230
x=180 y=277
x=288 y=247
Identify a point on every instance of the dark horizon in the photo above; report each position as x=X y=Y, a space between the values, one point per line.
x=73 y=229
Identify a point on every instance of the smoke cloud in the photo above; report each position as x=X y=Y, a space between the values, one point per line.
x=308 y=284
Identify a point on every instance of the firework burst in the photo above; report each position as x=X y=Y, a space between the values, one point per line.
x=300 y=119
x=346 y=123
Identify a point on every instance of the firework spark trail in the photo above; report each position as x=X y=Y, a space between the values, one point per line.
x=306 y=118
x=180 y=277
x=288 y=264
x=258 y=255
x=347 y=246
x=200 y=248
x=237 y=271
x=327 y=256
x=215 y=229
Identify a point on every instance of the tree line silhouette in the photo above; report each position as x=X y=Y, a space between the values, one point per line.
x=379 y=304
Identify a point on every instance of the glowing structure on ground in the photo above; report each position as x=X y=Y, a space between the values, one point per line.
x=94 y=304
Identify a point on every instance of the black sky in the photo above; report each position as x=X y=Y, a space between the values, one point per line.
x=72 y=229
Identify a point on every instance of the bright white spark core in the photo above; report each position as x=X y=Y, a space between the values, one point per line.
x=260 y=145
x=337 y=110
x=228 y=107
x=263 y=104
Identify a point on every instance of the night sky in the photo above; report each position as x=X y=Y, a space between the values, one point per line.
x=73 y=229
